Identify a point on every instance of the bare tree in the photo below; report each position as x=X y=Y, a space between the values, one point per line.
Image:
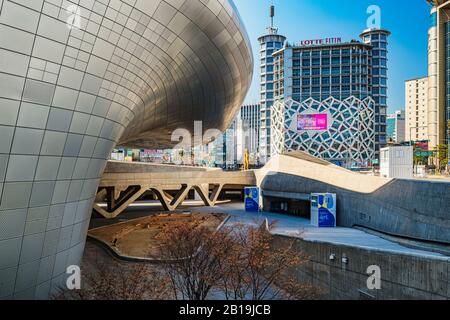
x=193 y=255
x=119 y=281
x=238 y=262
x=258 y=271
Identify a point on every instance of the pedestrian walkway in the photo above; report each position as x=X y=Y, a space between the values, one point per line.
x=299 y=227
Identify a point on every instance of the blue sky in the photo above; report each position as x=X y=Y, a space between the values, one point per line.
x=408 y=20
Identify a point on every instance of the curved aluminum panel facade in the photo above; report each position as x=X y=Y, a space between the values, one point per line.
x=76 y=78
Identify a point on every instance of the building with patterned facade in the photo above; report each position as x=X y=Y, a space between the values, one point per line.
x=340 y=131
x=326 y=69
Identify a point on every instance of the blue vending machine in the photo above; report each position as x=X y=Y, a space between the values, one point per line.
x=251 y=199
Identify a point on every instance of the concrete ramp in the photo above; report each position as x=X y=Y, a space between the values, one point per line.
x=304 y=165
x=417 y=209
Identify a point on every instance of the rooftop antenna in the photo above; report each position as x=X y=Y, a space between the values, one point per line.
x=272 y=14
x=272 y=29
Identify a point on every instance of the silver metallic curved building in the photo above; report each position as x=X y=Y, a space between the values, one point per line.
x=78 y=77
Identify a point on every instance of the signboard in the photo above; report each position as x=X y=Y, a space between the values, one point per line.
x=422 y=145
x=323 y=210
x=424 y=153
x=316 y=122
x=251 y=199
x=318 y=42
x=118 y=155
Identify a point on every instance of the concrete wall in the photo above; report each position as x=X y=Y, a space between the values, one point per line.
x=402 y=276
x=409 y=208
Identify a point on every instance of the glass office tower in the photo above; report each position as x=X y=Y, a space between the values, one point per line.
x=269 y=43
x=318 y=72
x=378 y=39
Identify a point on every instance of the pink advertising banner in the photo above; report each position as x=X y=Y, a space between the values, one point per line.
x=312 y=122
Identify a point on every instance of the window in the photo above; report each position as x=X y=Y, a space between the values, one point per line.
x=335 y=60
x=306 y=72
x=326 y=71
x=335 y=70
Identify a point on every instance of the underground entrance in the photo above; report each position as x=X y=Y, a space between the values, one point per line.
x=298 y=205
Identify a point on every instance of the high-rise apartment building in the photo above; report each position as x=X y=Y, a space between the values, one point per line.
x=417 y=112
x=439 y=74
